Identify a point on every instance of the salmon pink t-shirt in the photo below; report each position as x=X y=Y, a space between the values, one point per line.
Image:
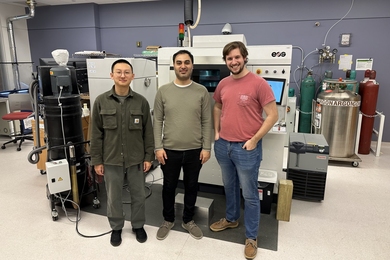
x=242 y=102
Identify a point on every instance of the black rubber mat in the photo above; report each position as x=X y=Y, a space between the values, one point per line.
x=268 y=230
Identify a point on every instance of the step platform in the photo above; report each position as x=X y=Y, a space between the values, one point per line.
x=204 y=209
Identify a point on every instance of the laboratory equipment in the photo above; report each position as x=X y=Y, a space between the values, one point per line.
x=78 y=67
x=351 y=75
x=335 y=115
x=327 y=75
x=181 y=34
x=326 y=54
x=307 y=90
x=368 y=89
x=307 y=165
x=58 y=176
x=57 y=102
x=266 y=183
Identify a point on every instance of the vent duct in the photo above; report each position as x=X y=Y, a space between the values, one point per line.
x=14 y=60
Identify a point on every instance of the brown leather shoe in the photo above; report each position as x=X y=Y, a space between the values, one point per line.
x=250 y=248
x=223 y=224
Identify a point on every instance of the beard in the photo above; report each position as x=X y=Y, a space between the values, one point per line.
x=241 y=68
x=183 y=77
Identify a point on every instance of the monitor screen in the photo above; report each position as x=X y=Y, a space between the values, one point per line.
x=277 y=85
x=209 y=75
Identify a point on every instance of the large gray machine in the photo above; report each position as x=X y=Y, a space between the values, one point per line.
x=144 y=83
x=272 y=62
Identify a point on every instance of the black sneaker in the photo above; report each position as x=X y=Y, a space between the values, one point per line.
x=116 y=238
x=140 y=234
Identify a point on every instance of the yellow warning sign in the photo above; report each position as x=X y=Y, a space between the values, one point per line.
x=60 y=179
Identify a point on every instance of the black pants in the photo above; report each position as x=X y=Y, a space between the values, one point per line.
x=189 y=161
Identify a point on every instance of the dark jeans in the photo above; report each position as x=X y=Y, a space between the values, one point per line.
x=191 y=164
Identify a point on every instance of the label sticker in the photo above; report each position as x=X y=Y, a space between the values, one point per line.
x=260 y=194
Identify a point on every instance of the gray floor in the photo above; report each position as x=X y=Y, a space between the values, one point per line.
x=351 y=223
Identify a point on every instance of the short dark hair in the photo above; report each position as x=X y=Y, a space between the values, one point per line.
x=234 y=45
x=183 y=52
x=121 y=61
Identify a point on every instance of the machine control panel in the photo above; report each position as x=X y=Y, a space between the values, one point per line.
x=58 y=177
x=276 y=71
x=278 y=54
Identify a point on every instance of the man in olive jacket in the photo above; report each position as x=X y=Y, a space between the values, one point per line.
x=122 y=148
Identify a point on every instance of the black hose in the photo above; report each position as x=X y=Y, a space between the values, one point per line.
x=33 y=91
x=35 y=152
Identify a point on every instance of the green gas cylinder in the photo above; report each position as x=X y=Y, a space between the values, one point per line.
x=308 y=87
x=352 y=87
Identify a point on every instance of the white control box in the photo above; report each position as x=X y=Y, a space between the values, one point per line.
x=58 y=177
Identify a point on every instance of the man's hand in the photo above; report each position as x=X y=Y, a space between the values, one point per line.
x=147 y=166
x=204 y=156
x=161 y=156
x=250 y=145
x=99 y=169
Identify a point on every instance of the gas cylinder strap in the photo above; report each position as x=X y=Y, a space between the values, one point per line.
x=307 y=113
x=376 y=114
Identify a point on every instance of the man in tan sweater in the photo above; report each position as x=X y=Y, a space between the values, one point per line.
x=182 y=131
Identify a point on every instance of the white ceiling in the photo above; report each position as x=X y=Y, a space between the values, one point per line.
x=70 y=2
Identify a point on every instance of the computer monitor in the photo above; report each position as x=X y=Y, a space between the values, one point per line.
x=278 y=86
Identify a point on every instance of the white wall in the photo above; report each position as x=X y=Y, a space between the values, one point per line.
x=23 y=52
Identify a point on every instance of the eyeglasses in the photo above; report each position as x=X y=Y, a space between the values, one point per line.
x=119 y=73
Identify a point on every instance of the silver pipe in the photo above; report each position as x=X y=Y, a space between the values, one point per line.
x=14 y=59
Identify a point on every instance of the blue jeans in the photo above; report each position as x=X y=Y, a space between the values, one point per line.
x=191 y=164
x=240 y=167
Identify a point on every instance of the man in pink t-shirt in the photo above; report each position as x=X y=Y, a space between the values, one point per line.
x=240 y=100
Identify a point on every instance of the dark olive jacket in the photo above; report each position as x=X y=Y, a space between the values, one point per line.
x=121 y=133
